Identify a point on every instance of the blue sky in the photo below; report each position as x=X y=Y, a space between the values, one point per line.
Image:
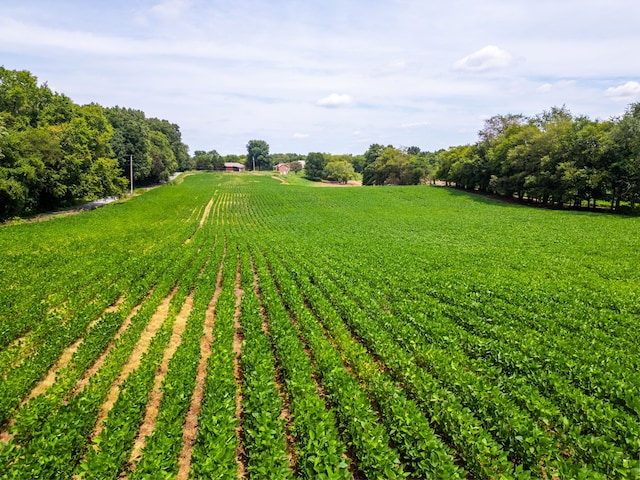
x=330 y=75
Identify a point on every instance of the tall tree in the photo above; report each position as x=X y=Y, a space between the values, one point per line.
x=368 y=168
x=163 y=160
x=131 y=137
x=314 y=166
x=172 y=132
x=625 y=169
x=258 y=155
x=339 y=171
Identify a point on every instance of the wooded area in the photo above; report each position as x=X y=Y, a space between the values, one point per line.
x=55 y=153
x=553 y=158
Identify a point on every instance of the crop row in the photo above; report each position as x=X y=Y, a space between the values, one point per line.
x=214 y=452
x=320 y=451
x=263 y=426
x=423 y=452
x=442 y=358
x=51 y=431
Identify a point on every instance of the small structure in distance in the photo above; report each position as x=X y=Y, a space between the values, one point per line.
x=233 y=167
x=282 y=168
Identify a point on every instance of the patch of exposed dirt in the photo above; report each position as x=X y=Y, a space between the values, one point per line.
x=155 y=398
x=203 y=219
x=281 y=180
x=350 y=183
x=133 y=362
x=84 y=381
x=190 y=430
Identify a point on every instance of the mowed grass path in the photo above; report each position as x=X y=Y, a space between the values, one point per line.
x=233 y=324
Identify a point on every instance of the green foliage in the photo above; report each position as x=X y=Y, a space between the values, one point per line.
x=207 y=160
x=172 y=133
x=553 y=158
x=411 y=332
x=258 y=155
x=295 y=166
x=56 y=154
x=339 y=171
x=391 y=166
x=314 y=166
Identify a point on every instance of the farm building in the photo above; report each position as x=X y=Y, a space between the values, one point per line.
x=233 y=167
x=282 y=168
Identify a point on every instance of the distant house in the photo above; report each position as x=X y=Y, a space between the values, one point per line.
x=282 y=168
x=233 y=167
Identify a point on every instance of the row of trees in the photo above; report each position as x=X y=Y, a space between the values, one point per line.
x=553 y=158
x=397 y=166
x=55 y=153
x=335 y=168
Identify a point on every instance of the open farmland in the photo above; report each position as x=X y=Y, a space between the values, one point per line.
x=233 y=325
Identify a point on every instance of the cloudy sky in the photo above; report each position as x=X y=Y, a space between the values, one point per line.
x=330 y=75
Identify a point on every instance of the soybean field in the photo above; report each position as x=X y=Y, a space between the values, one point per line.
x=237 y=326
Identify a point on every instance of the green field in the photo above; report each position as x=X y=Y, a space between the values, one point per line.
x=231 y=325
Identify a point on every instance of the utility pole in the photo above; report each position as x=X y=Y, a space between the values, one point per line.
x=254 y=161
x=131 y=172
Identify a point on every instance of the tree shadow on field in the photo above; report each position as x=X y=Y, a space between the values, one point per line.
x=504 y=201
x=487 y=199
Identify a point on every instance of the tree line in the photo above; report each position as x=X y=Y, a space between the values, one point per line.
x=55 y=153
x=554 y=158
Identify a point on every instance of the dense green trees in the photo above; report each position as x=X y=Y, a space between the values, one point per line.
x=155 y=144
x=338 y=170
x=394 y=166
x=314 y=166
x=54 y=153
x=553 y=158
x=335 y=168
x=258 y=155
x=207 y=160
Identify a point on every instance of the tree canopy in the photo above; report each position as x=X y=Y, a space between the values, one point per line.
x=554 y=158
x=314 y=166
x=55 y=154
x=258 y=155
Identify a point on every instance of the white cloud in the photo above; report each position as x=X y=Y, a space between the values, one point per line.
x=336 y=100
x=487 y=58
x=230 y=71
x=559 y=85
x=625 y=92
x=545 y=88
x=171 y=8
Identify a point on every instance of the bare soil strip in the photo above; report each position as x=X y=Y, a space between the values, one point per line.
x=190 y=431
x=84 y=381
x=206 y=213
x=50 y=378
x=203 y=219
x=133 y=361
x=241 y=456
x=153 y=406
x=66 y=356
x=286 y=407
